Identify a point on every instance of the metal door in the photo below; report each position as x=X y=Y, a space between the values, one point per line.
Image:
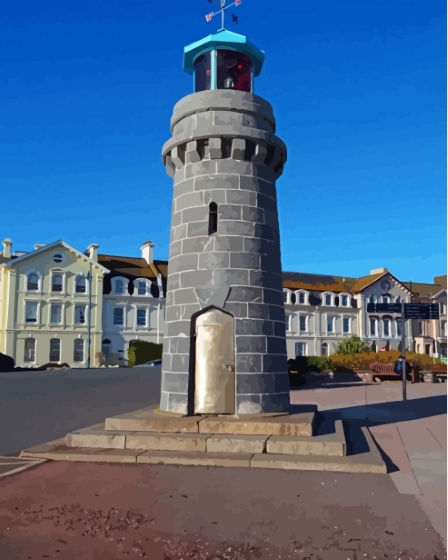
x=215 y=364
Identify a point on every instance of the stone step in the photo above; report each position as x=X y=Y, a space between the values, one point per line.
x=292 y=425
x=167 y=442
x=96 y=436
x=333 y=445
x=151 y=419
x=370 y=462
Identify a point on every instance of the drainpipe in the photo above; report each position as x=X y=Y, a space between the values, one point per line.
x=89 y=315
x=158 y=315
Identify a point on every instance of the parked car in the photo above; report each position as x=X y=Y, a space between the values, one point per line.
x=154 y=363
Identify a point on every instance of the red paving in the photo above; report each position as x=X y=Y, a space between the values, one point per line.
x=83 y=511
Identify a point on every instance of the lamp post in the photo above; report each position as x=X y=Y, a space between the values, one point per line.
x=89 y=276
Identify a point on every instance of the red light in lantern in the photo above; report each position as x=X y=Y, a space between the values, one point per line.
x=240 y=66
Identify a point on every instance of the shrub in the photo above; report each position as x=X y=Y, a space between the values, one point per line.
x=141 y=352
x=351 y=345
x=318 y=363
x=364 y=359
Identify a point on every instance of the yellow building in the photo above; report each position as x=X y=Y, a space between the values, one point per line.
x=46 y=305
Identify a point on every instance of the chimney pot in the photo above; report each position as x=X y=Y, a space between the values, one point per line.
x=38 y=246
x=7 y=244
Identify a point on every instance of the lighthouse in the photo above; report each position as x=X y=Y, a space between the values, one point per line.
x=224 y=349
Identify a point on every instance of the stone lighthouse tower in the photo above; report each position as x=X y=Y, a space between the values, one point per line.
x=224 y=347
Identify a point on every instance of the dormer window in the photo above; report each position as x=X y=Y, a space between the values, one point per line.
x=344 y=301
x=302 y=297
x=286 y=296
x=119 y=286
x=142 y=287
x=328 y=299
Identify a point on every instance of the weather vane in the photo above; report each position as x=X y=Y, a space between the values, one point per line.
x=222 y=9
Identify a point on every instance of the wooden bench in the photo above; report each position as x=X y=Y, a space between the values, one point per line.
x=439 y=371
x=386 y=372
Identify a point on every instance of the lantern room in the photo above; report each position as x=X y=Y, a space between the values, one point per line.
x=224 y=60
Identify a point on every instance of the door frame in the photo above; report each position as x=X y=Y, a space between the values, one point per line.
x=192 y=362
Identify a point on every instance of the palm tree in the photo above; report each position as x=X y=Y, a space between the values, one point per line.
x=351 y=345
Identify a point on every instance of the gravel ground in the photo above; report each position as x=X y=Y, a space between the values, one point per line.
x=84 y=511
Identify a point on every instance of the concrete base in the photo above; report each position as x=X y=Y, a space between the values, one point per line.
x=283 y=442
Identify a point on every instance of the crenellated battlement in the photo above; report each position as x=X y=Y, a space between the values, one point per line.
x=214 y=125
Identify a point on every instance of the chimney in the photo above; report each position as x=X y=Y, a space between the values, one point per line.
x=7 y=244
x=378 y=271
x=38 y=246
x=93 y=251
x=146 y=250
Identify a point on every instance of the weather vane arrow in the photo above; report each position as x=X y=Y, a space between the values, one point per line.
x=222 y=9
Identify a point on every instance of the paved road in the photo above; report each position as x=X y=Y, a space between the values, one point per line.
x=412 y=435
x=85 y=511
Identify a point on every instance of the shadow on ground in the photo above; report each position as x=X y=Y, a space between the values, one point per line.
x=370 y=415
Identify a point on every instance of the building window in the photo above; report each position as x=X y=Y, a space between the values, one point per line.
x=118 y=316
x=386 y=327
x=233 y=70
x=118 y=286
x=443 y=328
x=442 y=308
x=327 y=299
x=31 y=313
x=346 y=324
x=32 y=284
x=212 y=218
x=344 y=301
x=80 y=315
x=372 y=327
x=285 y=296
x=105 y=348
x=55 y=350
x=386 y=299
x=81 y=285
x=300 y=349
x=301 y=298
x=398 y=328
x=427 y=349
x=420 y=328
x=30 y=350
x=56 y=283
x=302 y=321
x=141 y=317
x=78 y=354
x=324 y=349
x=55 y=314
x=58 y=258
x=141 y=288
x=399 y=300
x=288 y=323
x=372 y=299
x=330 y=324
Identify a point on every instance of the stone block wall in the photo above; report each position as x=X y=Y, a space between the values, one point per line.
x=223 y=150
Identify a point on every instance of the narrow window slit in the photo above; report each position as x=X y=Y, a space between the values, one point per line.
x=212 y=218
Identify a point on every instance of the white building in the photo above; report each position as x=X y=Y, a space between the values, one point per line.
x=134 y=300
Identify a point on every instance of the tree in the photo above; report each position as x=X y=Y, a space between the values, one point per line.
x=351 y=345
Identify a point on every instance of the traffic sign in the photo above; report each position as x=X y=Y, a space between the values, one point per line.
x=384 y=308
x=421 y=310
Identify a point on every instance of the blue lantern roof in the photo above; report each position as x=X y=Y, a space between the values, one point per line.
x=223 y=40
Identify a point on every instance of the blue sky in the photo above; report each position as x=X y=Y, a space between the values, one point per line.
x=358 y=89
